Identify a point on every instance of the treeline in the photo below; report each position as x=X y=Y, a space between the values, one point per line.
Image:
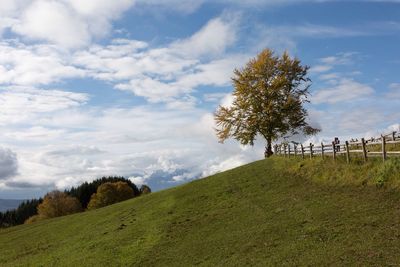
x=85 y=191
x=89 y=195
x=19 y=215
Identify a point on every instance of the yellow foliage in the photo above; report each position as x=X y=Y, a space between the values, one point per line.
x=110 y=193
x=57 y=204
x=33 y=219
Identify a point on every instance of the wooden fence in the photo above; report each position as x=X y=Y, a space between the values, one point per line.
x=374 y=147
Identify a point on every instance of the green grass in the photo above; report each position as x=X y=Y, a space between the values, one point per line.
x=279 y=211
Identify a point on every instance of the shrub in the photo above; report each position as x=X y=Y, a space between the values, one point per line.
x=388 y=170
x=144 y=189
x=110 y=193
x=33 y=219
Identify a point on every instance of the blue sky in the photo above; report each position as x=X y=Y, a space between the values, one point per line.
x=124 y=87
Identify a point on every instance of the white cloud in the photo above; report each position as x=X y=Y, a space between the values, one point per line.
x=328 y=63
x=229 y=163
x=213 y=38
x=215 y=73
x=53 y=21
x=33 y=65
x=168 y=74
x=34 y=133
x=181 y=145
x=339 y=59
x=171 y=73
x=61 y=142
x=345 y=91
x=394 y=91
x=21 y=103
x=320 y=68
x=67 y=23
x=227 y=100
x=213 y=97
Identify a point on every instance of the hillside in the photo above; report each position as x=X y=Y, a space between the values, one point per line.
x=271 y=212
x=8 y=204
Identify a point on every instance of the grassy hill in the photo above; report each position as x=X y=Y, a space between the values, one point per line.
x=271 y=212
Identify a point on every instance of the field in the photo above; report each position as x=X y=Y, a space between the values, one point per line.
x=277 y=211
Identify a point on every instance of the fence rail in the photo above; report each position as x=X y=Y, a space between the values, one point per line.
x=374 y=147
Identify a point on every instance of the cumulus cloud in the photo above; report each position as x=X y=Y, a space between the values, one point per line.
x=54 y=22
x=171 y=73
x=61 y=142
x=32 y=65
x=67 y=23
x=213 y=38
x=169 y=146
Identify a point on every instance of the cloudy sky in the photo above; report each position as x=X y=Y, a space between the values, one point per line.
x=128 y=87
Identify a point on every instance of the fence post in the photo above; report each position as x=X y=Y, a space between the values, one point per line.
x=347 y=152
x=311 y=151
x=394 y=136
x=275 y=149
x=383 y=148
x=365 y=155
x=295 y=150
x=322 y=150
x=334 y=151
x=288 y=148
x=302 y=151
x=284 y=149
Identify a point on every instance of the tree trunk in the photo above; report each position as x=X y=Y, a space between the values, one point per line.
x=268 y=149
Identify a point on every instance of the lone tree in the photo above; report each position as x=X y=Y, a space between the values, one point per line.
x=269 y=96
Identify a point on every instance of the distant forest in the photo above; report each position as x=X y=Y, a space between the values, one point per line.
x=82 y=192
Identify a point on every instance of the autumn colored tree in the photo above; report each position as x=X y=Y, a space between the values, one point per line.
x=57 y=204
x=110 y=193
x=85 y=191
x=269 y=96
x=144 y=189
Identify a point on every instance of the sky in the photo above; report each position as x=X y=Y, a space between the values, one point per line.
x=128 y=87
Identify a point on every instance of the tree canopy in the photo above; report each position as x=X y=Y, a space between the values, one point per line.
x=56 y=204
x=269 y=96
x=110 y=193
x=85 y=191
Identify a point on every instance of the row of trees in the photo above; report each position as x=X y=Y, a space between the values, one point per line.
x=19 y=215
x=85 y=191
x=89 y=195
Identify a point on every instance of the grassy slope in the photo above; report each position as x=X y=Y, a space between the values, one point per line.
x=270 y=212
